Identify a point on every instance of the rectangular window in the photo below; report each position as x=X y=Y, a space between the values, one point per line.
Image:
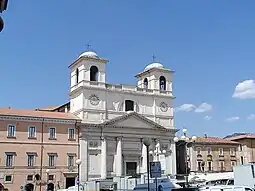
x=209 y=165
x=52 y=133
x=232 y=151
x=31 y=132
x=222 y=166
x=71 y=133
x=52 y=160
x=11 y=131
x=198 y=150
x=199 y=166
x=221 y=152
x=30 y=177
x=8 y=178
x=51 y=177
x=70 y=160
x=209 y=150
x=30 y=160
x=9 y=159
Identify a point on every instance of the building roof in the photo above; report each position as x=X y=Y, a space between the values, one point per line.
x=246 y=136
x=49 y=108
x=214 y=140
x=39 y=114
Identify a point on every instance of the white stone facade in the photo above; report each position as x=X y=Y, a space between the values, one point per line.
x=115 y=118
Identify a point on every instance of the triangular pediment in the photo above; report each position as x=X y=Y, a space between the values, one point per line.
x=134 y=120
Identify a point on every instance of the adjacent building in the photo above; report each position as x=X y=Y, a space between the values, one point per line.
x=211 y=154
x=38 y=149
x=248 y=145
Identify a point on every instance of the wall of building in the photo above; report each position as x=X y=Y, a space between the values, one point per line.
x=220 y=161
x=248 y=149
x=41 y=146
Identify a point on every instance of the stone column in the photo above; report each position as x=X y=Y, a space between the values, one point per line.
x=119 y=157
x=144 y=161
x=173 y=157
x=168 y=162
x=84 y=156
x=103 y=158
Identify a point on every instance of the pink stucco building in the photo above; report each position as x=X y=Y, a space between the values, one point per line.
x=38 y=148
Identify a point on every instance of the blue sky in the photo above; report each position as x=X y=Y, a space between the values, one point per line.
x=210 y=45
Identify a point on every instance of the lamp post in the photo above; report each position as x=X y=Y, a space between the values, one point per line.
x=147 y=143
x=78 y=163
x=47 y=179
x=156 y=154
x=185 y=140
x=3 y=7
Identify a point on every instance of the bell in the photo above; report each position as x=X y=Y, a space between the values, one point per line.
x=1 y=24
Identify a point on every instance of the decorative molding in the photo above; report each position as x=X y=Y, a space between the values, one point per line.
x=94 y=99
x=163 y=106
x=120 y=91
x=37 y=119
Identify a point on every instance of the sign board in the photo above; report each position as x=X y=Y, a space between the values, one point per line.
x=155 y=169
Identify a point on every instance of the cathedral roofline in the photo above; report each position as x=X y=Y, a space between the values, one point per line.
x=101 y=60
x=153 y=69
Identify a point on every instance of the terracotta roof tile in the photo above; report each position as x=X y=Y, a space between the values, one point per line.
x=50 y=108
x=34 y=113
x=248 y=136
x=214 y=140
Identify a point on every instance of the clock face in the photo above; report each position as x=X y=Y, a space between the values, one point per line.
x=163 y=107
x=94 y=99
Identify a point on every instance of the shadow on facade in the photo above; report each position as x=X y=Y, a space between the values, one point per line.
x=29 y=187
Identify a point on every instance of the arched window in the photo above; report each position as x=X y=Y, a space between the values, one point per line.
x=93 y=73
x=77 y=75
x=162 y=83
x=145 y=83
x=129 y=105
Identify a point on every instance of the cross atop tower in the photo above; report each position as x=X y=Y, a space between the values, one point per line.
x=88 y=46
x=153 y=58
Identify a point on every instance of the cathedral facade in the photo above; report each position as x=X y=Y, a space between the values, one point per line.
x=116 y=119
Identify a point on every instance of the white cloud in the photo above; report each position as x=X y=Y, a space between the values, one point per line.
x=245 y=90
x=251 y=117
x=186 y=107
x=232 y=119
x=204 y=107
x=208 y=118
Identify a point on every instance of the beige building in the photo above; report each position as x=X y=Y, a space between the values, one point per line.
x=38 y=148
x=210 y=154
x=248 y=146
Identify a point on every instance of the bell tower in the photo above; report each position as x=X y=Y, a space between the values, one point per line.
x=155 y=77
x=86 y=72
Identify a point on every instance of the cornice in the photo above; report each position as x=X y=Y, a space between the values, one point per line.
x=36 y=119
x=100 y=88
x=100 y=60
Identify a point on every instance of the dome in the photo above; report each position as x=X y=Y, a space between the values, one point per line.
x=89 y=54
x=153 y=65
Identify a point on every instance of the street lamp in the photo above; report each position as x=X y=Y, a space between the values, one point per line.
x=147 y=143
x=3 y=7
x=185 y=140
x=78 y=163
x=47 y=179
